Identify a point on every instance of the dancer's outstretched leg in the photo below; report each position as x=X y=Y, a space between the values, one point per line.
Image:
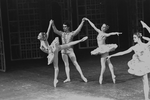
x=74 y=60
x=80 y=71
x=68 y=45
x=145 y=26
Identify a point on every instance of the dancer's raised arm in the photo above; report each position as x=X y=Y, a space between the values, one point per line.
x=95 y=28
x=145 y=26
x=146 y=38
x=79 y=27
x=55 y=29
x=49 y=27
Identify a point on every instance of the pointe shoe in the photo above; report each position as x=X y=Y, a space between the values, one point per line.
x=100 y=80
x=55 y=83
x=84 y=38
x=114 y=79
x=84 y=79
x=67 y=80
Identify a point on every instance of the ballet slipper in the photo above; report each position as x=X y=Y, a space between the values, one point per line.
x=114 y=79
x=67 y=80
x=84 y=79
x=100 y=80
x=55 y=82
x=84 y=38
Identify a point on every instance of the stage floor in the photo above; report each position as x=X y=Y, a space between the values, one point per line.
x=33 y=80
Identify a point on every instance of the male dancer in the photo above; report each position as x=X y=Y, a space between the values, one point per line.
x=67 y=37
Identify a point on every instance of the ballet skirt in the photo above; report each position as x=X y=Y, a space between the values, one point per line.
x=104 y=49
x=139 y=65
x=50 y=58
x=51 y=50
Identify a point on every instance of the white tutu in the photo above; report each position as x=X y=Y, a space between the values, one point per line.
x=104 y=49
x=51 y=50
x=138 y=67
x=50 y=58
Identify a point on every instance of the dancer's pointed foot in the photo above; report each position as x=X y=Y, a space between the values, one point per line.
x=114 y=79
x=67 y=80
x=84 y=38
x=84 y=79
x=147 y=99
x=100 y=80
x=55 y=82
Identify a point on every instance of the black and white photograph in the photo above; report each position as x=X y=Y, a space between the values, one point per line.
x=74 y=49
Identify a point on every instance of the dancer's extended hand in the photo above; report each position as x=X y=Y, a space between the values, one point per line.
x=143 y=24
x=84 y=38
x=118 y=33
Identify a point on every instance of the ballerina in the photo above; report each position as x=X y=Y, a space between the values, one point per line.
x=139 y=65
x=53 y=49
x=103 y=49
